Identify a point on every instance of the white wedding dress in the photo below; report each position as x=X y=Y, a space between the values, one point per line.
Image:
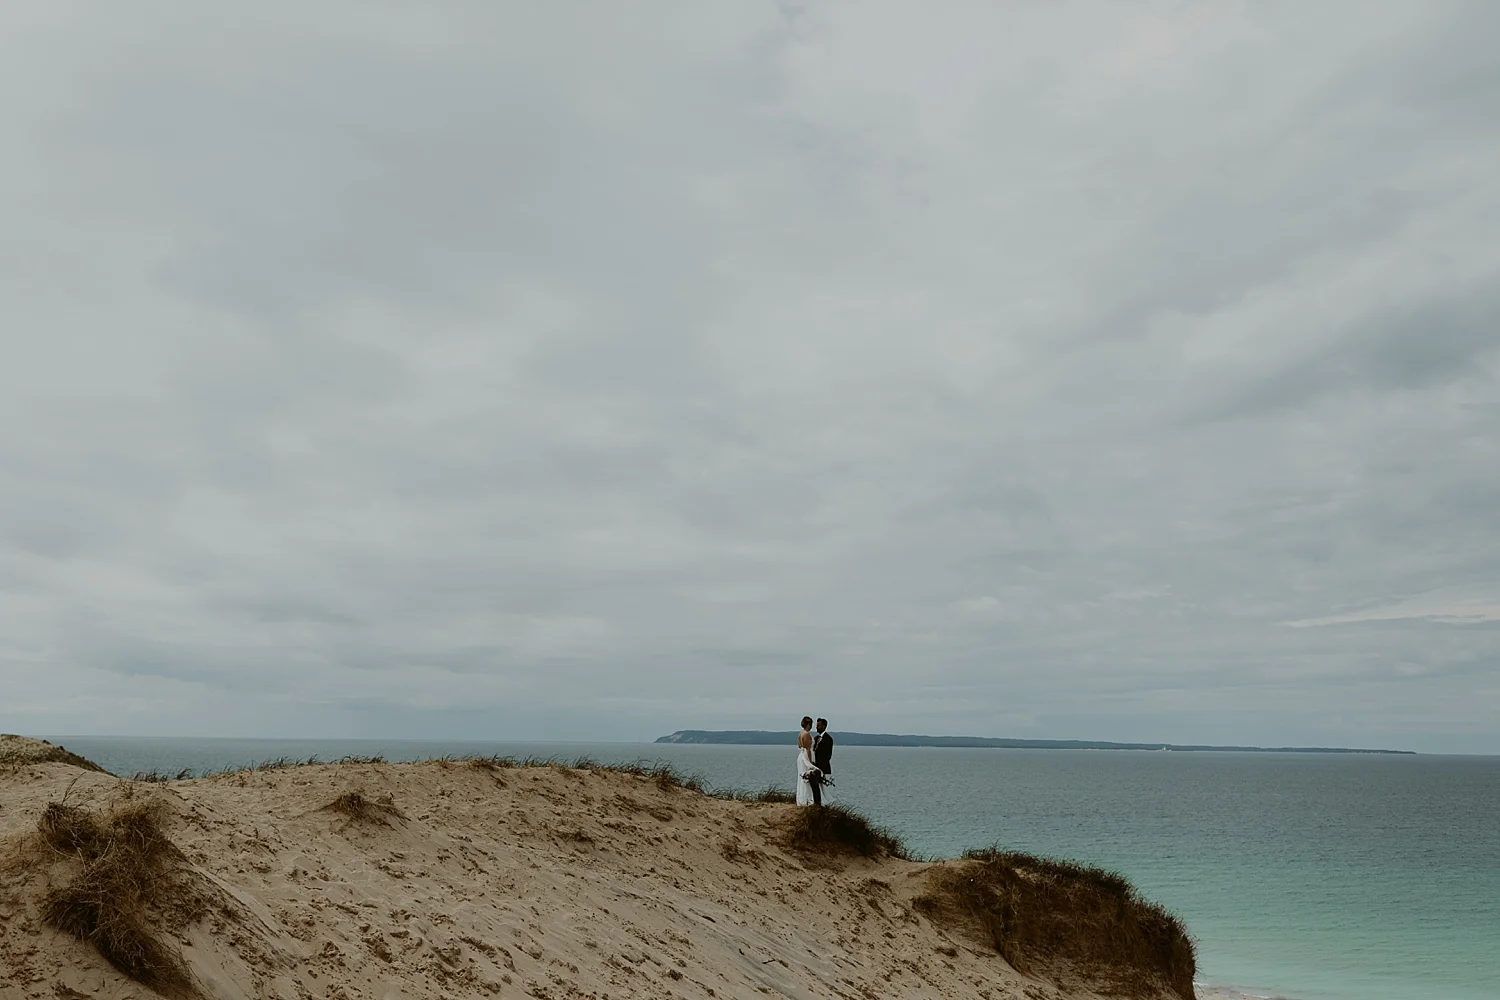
x=804 y=787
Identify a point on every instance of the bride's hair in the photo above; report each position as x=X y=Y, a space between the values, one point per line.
x=806 y=721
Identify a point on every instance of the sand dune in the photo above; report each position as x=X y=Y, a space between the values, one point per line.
x=455 y=880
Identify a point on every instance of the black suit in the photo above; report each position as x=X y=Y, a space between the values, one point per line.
x=823 y=751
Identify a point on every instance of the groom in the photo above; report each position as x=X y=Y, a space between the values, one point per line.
x=822 y=759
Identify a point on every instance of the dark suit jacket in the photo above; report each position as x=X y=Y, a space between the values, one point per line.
x=823 y=752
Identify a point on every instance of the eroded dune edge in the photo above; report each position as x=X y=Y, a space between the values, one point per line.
x=488 y=878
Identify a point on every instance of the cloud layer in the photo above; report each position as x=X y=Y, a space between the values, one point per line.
x=1073 y=370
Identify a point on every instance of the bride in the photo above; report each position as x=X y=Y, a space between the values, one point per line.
x=805 y=795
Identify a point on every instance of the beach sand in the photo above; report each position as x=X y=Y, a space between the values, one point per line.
x=545 y=882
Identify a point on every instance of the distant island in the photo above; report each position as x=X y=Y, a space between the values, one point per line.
x=761 y=737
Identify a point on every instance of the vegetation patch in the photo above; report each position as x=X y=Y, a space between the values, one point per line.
x=156 y=777
x=1061 y=918
x=490 y=763
x=833 y=830
x=123 y=884
x=356 y=807
x=771 y=793
x=731 y=850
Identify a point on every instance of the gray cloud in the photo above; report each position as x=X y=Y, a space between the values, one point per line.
x=1086 y=371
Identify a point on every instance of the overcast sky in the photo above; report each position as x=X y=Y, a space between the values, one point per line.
x=592 y=371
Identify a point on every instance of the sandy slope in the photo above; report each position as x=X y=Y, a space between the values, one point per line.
x=541 y=882
x=16 y=750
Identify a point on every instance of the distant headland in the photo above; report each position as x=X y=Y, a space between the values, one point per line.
x=764 y=737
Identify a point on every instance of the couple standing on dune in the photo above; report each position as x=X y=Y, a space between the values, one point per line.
x=814 y=762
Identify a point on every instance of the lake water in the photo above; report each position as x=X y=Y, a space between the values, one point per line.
x=1306 y=876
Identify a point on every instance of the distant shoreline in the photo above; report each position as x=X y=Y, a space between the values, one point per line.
x=762 y=737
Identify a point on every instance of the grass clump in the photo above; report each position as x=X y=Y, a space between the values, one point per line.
x=158 y=777
x=347 y=759
x=356 y=807
x=492 y=762
x=839 y=830
x=1063 y=918
x=127 y=880
x=668 y=778
x=770 y=794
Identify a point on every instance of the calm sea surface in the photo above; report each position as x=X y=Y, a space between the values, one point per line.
x=1308 y=876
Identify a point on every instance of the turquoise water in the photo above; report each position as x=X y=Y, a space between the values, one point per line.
x=1307 y=876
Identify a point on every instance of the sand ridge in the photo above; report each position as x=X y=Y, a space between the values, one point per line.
x=16 y=750
x=544 y=882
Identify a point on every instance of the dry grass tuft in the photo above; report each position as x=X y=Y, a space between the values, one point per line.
x=669 y=779
x=355 y=807
x=731 y=850
x=839 y=830
x=1060 y=917
x=127 y=880
x=663 y=772
x=491 y=763
x=771 y=793
x=155 y=777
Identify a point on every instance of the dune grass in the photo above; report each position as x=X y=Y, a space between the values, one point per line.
x=126 y=880
x=835 y=829
x=771 y=793
x=1059 y=917
x=358 y=808
x=156 y=777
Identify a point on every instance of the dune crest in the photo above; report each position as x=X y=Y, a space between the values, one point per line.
x=17 y=750
x=374 y=881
